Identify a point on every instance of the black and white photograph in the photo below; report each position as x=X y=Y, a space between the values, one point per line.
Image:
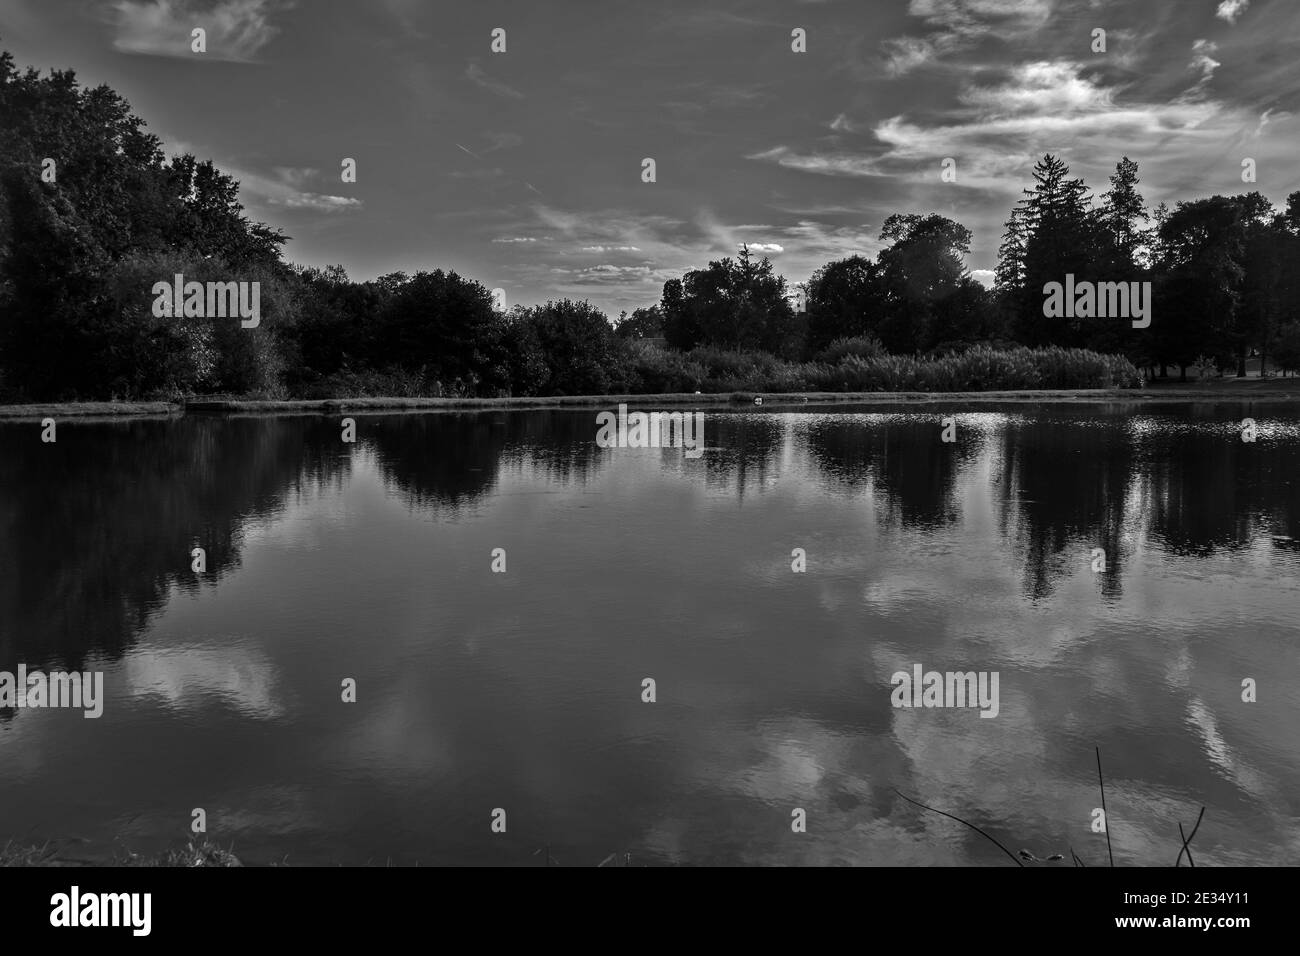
x=734 y=434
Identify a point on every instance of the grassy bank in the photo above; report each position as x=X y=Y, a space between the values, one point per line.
x=89 y=410
x=204 y=853
x=1256 y=390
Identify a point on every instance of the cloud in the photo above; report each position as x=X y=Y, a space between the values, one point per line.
x=512 y=239
x=1230 y=10
x=611 y=227
x=827 y=164
x=1203 y=61
x=475 y=74
x=773 y=247
x=319 y=202
x=818 y=242
x=282 y=190
x=610 y=249
x=983 y=276
x=905 y=54
x=502 y=141
x=607 y=274
x=957 y=24
x=977 y=17
x=297 y=176
x=999 y=131
x=236 y=29
x=1044 y=87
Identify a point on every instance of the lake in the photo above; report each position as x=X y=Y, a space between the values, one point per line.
x=523 y=691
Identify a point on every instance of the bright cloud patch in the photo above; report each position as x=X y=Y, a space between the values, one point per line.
x=319 y=202
x=235 y=29
x=1230 y=10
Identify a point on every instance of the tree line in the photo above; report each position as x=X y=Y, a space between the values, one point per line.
x=83 y=240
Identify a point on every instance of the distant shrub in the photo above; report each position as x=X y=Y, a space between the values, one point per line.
x=863 y=346
x=972 y=370
x=725 y=365
x=373 y=383
x=655 y=370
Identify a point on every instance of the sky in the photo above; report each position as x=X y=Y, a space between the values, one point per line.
x=523 y=169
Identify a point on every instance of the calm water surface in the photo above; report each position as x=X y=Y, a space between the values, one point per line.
x=523 y=690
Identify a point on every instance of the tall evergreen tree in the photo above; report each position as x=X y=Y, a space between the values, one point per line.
x=1051 y=233
x=1124 y=215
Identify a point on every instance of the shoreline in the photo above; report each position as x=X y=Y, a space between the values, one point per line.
x=1272 y=391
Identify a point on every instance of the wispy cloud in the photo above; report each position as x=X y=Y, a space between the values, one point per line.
x=978 y=17
x=956 y=24
x=502 y=141
x=476 y=74
x=283 y=189
x=317 y=202
x=905 y=54
x=1203 y=61
x=612 y=274
x=824 y=163
x=297 y=176
x=235 y=29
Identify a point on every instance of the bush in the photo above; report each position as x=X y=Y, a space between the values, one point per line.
x=728 y=371
x=867 y=347
x=372 y=383
x=976 y=369
x=654 y=370
x=861 y=368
